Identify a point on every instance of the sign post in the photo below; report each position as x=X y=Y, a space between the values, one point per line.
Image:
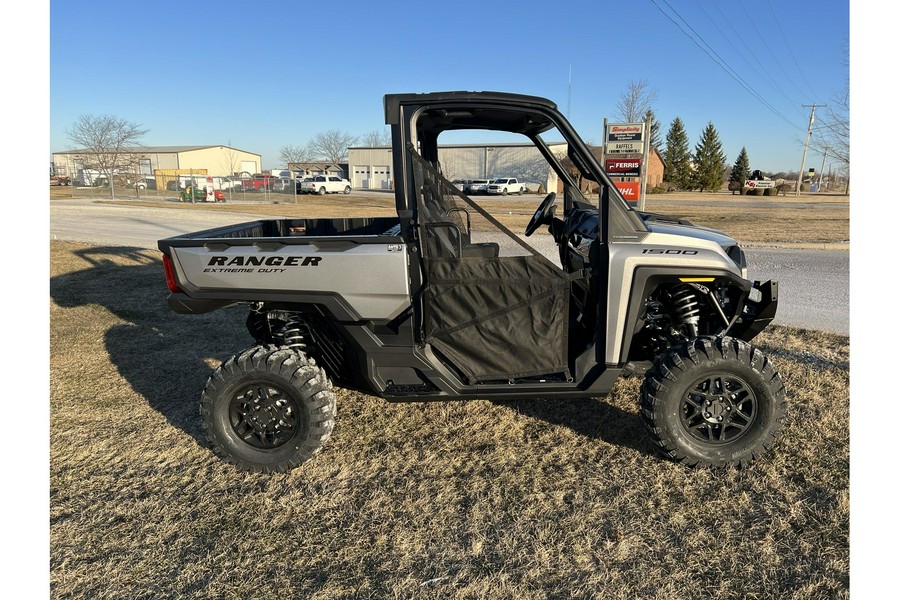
x=625 y=158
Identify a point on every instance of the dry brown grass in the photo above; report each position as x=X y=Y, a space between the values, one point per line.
x=809 y=219
x=768 y=225
x=527 y=499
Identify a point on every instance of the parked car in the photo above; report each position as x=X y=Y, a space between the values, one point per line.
x=259 y=182
x=282 y=184
x=60 y=180
x=506 y=185
x=325 y=184
x=103 y=181
x=476 y=186
x=231 y=183
x=144 y=183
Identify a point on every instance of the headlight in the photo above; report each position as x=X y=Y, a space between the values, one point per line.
x=739 y=258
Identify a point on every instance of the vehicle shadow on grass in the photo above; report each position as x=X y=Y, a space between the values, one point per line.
x=592 y=418
x=165 y=357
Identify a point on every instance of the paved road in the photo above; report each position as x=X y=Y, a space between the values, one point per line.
x=814 y=284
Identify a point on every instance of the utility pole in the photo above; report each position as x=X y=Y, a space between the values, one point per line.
x=812 y=119
x=822 y=170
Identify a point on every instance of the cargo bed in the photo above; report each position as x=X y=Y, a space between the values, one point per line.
x=356 y=266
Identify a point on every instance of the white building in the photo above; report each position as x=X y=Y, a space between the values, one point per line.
x=370 y=167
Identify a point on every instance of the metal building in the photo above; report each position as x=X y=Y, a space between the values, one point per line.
x=370 y=167
x=147 y=160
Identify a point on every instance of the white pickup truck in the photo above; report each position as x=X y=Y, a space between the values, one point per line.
x=506 y=185
x=325 y=184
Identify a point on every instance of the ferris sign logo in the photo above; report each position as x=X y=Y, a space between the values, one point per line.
x=622 y=167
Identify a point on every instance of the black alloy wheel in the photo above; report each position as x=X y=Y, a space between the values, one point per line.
x=719 y=409
x=713 y=401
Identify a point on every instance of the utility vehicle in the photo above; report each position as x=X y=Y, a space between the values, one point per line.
x=444 y=302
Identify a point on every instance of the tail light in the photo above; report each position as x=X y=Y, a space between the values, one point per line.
x=171 y=280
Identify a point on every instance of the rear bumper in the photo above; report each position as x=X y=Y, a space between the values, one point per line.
x=757 y=314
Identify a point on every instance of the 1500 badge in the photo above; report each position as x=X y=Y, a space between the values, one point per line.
x=242 y=264
x=668 y=251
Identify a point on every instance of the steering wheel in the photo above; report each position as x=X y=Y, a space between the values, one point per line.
x=542 y=214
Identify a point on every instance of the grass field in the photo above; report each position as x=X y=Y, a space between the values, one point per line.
x=765 y=221
x=519 y=499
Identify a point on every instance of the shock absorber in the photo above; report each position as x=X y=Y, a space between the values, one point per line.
x=296 y=333
x=687 y=307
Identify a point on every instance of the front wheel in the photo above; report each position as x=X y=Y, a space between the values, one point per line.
x=268 y=409
x=713 y=402
x=347 y=190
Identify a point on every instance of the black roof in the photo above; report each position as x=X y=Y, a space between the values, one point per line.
x=392 y=102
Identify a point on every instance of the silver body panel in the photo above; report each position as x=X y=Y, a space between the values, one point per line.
x=705 y=248
x=373 y=279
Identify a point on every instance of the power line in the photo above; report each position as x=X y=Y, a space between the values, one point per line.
x=766 y=44
x=762 y=74
x=788 y=46
x=722 y=63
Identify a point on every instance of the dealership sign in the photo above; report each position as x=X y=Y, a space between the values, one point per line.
x=625 y=132
x=625 y=148
x=623 y=167
x=631 y=191
x=755 y=184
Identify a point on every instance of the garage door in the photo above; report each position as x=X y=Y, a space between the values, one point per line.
x=381 y=177
x=361 y=177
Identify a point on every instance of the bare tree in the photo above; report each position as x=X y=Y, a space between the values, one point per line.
x=295 y=154
x=109 y=143
x=331 y=145
x=230 y=160
x=376 y=138
x=835 y=128
x=635 y=101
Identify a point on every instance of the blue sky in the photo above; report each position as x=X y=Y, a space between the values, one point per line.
x=258 y=77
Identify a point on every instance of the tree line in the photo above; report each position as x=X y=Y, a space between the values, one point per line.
x=331 y=146
x=705 y=168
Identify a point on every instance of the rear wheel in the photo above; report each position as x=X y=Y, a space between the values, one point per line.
x=268 y=409
x=322 y=191
x=713 y=402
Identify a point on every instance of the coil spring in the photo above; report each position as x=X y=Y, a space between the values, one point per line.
x=296 y=333
x=686 y=306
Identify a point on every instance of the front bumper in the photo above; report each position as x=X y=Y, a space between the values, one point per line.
x=757 y=314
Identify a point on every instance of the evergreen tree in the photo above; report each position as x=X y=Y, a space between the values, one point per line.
x=678 y=156
x=655 y=140
x=709 y=161
x=740 y=172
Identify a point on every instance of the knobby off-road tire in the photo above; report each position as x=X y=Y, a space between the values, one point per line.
x=268 y=409
x=713 y=402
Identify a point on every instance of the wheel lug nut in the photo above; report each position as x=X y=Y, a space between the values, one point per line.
x=720 y=419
